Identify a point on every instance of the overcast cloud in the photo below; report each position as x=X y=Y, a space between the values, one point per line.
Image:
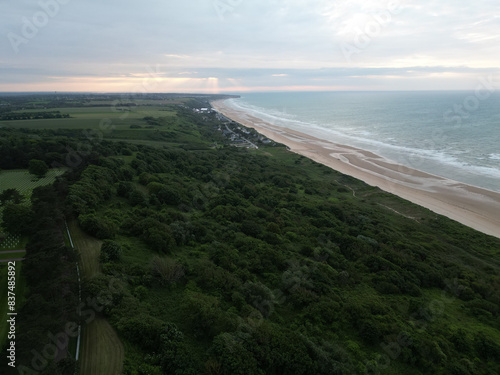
x=241 y=45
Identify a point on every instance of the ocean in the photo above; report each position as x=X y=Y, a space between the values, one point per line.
x=452 y=134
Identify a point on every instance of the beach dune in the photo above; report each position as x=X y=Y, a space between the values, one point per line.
x=472 y=206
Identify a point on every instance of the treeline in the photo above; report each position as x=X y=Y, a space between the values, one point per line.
x=56 y=147
x=18 y=148
x=13 y=116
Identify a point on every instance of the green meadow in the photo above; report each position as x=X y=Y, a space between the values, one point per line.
x=92 y=117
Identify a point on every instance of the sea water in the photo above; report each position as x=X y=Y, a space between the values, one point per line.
x=453 y=134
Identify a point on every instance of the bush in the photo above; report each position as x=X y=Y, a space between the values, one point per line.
x=169 y=196
x=38 y=168
x=251 y=228
x=110 y=251
x=166 y=269
x=259 y=296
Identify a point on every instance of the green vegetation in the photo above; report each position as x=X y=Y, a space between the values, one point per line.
x=24 y=115
x=225 y=260
x=16 y=187
x=38 y=168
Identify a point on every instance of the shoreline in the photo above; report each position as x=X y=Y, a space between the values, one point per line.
x=473 y=206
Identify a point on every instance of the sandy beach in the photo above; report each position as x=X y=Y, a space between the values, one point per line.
x=473 y=206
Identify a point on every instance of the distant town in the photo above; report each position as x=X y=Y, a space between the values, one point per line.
x=237 y=134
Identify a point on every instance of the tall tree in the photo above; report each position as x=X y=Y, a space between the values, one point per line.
x=38 y=168
x=17 y=219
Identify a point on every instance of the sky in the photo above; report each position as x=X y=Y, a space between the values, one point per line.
x=233 y=46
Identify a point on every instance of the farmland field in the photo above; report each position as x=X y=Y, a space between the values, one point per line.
x=91 y=117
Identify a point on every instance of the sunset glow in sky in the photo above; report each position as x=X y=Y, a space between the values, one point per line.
x=218 y=46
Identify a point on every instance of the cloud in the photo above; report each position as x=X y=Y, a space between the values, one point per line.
x=252 y=43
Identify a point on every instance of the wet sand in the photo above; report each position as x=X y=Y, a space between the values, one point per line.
x=473 y=206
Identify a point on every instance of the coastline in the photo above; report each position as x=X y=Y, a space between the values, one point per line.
x=475 y=207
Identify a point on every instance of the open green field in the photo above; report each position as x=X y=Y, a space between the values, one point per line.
x=142 y=102
x=91 y=117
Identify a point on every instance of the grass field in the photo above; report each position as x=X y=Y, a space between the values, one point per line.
x=101 y=349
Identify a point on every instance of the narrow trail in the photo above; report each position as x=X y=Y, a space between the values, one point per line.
x=348 y=187
x=399 y=213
